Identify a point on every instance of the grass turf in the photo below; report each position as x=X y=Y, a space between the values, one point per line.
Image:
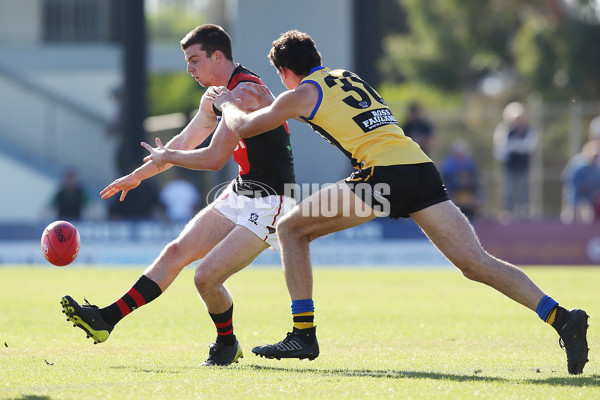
x=384 y=333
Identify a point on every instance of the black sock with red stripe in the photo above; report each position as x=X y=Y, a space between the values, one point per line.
x=143 y=291
x=224 y=324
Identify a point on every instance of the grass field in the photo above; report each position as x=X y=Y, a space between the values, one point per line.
x=384 y=333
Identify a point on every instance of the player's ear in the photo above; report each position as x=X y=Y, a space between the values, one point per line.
x=284 y=72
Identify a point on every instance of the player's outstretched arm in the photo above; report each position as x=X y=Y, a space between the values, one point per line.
x=198 y=129
x=213 y=157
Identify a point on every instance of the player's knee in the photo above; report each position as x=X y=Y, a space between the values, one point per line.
x=202 y=280
x=170 y=252
x=175 y=255
x=293 y=226
x=285 y=227
x=470 y=273
x=474 y=269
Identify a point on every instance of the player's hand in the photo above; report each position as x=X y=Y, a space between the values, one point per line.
x=260 y=94
x=123 y=185
x=220 y=95
x=157 y=154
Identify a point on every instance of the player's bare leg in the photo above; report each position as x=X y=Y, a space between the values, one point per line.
x=197 y=239
x=194 y=242
x=312 y=218
x=236 y=251
x=231 y=255
x=332 y=209
x=450 y=231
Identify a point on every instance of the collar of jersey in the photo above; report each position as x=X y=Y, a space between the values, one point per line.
x=314 y=69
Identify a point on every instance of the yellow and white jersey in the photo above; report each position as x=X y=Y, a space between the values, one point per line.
x=352 y=116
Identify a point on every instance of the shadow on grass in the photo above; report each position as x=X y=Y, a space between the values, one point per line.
x=475 y=376
x=31 y=397
x=579 y=381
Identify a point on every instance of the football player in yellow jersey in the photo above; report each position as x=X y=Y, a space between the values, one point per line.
x=394 y=178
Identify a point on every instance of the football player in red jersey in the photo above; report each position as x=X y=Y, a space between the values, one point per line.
x=232 y=230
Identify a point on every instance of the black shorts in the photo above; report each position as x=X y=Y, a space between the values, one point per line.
x=399 y=190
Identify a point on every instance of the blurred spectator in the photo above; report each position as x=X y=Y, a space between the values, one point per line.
x=577 y=161
x=514 y=145
x=461 y=178
x=180 y=199
x=418 y=128
x=71 y=197
x=585 y=184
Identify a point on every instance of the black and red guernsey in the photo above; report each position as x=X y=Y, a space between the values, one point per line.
x=265 y=161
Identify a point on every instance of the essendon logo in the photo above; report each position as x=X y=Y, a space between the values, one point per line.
x=59 y=234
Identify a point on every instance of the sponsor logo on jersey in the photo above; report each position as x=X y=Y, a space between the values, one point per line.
x=373 y=119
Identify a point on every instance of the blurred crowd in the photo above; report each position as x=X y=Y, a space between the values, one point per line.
x=514 y=145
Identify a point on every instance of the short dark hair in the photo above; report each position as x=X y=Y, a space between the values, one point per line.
x=295 y=50
x=211 y=38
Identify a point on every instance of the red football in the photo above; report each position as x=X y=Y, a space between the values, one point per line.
x=60 y=243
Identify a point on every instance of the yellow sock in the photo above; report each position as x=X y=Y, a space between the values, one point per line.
x=551 y=316
x=304 y=320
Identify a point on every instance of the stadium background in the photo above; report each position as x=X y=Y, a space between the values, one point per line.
x=60 y=61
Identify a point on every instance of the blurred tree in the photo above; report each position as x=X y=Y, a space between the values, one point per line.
x=544 y=45
x=453 y=43
x=559 y=56
x=173 y=92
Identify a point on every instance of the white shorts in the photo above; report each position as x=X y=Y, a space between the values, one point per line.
x=259 y=214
